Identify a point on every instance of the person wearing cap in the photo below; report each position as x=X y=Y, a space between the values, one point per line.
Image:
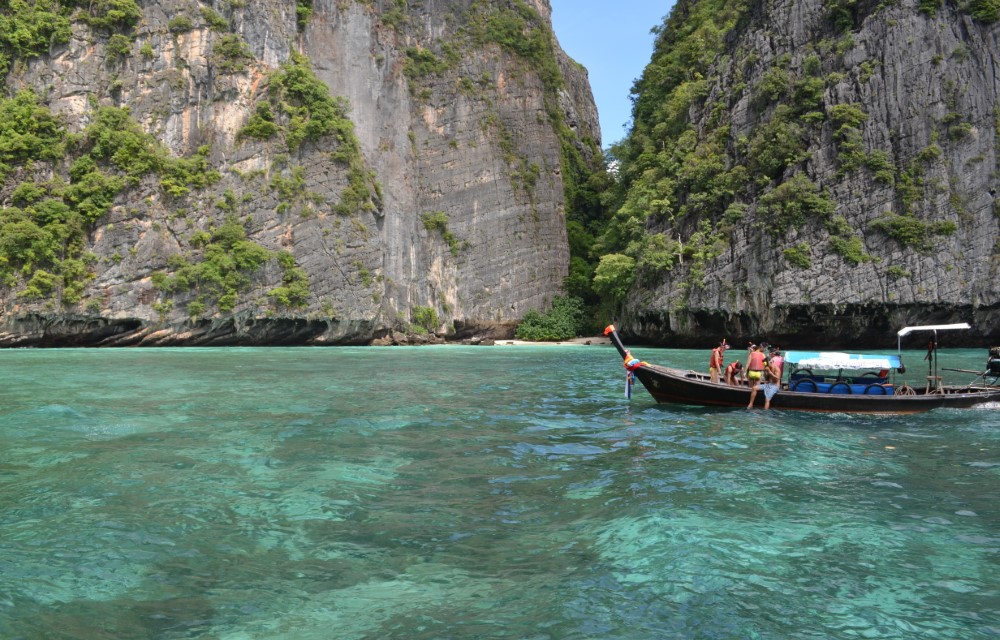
x=715 y=360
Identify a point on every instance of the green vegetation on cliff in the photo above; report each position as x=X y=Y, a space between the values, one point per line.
x=688 y=182
x=43 y=234
x=438 y=221
x=671 y=176
x=520 y=31
x=222 y=271
x=28 y=28
x=301 y=109
x=305 y=107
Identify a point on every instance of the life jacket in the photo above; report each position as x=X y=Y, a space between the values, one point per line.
x=716 y=359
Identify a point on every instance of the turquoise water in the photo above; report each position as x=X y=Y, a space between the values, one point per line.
x=474 y=492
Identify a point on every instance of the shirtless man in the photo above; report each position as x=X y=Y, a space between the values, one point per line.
x=778 y=359
x=770 y=384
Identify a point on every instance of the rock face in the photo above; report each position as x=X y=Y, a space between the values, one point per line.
x=441 y=203
x=898 y=106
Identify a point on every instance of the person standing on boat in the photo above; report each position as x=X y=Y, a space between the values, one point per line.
x=755 y=365
x=715 y=360
x=770 y=384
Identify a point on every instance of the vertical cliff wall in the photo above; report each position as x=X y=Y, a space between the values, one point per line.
x=827 y=172
x=318 y=173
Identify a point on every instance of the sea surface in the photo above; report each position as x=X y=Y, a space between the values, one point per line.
x=475 y=492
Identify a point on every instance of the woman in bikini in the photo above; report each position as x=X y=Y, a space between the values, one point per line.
x=755 y=365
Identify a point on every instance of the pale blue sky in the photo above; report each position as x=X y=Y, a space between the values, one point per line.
x=612 y=40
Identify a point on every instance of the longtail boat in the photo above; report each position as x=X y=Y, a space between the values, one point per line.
x=823 y=381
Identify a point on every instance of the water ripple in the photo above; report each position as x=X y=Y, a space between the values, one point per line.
x=481 y=493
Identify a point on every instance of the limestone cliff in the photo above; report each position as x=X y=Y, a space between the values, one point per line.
x=318 y=173
x=824 y=173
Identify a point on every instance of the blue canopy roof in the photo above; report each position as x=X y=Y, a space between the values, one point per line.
x=837 y=360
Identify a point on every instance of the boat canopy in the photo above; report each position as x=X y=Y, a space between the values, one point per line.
x=933 y=327
x=927 y=327
x=837 y=360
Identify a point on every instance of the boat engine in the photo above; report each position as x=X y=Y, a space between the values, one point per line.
x=993 y=362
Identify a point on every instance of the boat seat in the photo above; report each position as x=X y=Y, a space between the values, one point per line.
x=934 y=385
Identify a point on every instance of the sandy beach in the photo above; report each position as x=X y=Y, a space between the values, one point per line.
x=593 y=340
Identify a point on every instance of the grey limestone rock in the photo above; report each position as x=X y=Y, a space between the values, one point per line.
x=929 y=88
x=471 y=145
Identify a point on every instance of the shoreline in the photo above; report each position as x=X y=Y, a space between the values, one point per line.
x=591 y=341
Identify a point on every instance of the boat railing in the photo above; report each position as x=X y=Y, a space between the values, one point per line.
x=988 y=378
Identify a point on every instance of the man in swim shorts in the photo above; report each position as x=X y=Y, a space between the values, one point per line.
x=770 y=385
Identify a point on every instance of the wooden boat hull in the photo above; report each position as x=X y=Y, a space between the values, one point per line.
x=680 y=386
